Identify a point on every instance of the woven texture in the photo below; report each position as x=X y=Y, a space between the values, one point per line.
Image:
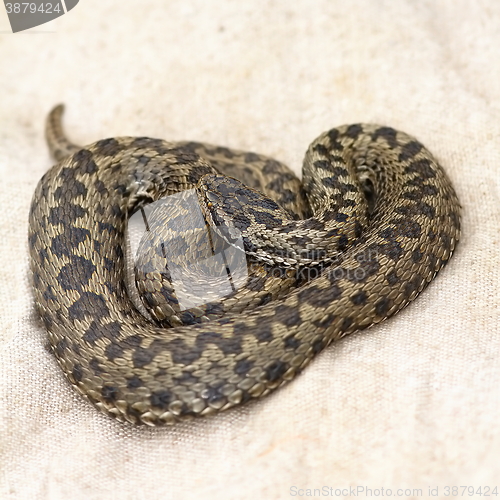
x=410 y=403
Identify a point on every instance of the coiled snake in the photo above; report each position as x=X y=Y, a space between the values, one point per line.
x=381 y=219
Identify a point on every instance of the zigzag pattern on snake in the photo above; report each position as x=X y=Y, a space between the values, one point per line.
x=375 y=216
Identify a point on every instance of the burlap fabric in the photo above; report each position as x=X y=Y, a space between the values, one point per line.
x=412 y=403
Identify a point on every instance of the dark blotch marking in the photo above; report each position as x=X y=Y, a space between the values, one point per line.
x=287 y=196
x=93 y=333
x=409 y=150
x=116 y=211
x=134 y=382
x=265 y=299
x=215 y=308
x=76 y=274
x=422 y=167
x=342 y=187
x=392 y=277
x=48 y=321
x=108 y=147
x=412 y=195
x=333 y=135
x=186 y=378
x=96 y=331
x=358 y=229
x=109 y=264
x=324 y=322
x=333 y=232
x=90 y=304
x=65 y=213
x=226 y=152
x=264 y=334
x=359 y=299
x=61 y=347
x=251 y=157
x=288 y=316
x=32 y=239
x=388 y=133
x=313 y=224
x=243 y=366
x=275 y=371
x=109 y=393
x=407 y=228
x=100 y=187
x=213 y=394
x=240 y=221
x=104 y=226
x=226 y=345
x=119 y=188
x=85 y=162
x=43 y=256
x=188 y=318
x=382 y=306
x=416 y=255
x=342 y=243
x=77 y=373
x=161 y=399
x=417 y=208
x=402 y=227
x=148 y=142
x=132 y=342
x=291 y=343
x=412 y=286
x=446 y=241
x=318 y=346
x=113 y=351
x=353 y=131
x=363 y=271
x=63 y=244
x=49 y=294
x=346 y=323
x=392 y=249
x=455 y=219
x=321 y=149
x=69 y=191
x=66 y=175
x=143 y=356
x=94 y=365
x=323 y=165
x=271 y=167
x=36 y=279
x=197 y=172
x=317 y=297
x=268 y=220
x=278 y=183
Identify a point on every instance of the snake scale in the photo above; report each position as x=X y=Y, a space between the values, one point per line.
x=375 y=217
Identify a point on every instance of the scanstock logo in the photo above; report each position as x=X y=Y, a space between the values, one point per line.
x=26 y=15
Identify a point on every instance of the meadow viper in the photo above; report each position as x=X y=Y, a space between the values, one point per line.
x=375 y=218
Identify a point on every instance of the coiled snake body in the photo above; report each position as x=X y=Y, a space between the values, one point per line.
x=381 y=220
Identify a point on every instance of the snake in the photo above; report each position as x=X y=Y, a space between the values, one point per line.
x=371 y=223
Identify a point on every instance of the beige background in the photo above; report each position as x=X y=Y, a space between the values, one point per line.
x=411 y=403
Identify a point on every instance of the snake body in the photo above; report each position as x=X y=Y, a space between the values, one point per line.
x=381 y=219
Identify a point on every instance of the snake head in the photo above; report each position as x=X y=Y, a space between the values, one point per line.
x=227 y=201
